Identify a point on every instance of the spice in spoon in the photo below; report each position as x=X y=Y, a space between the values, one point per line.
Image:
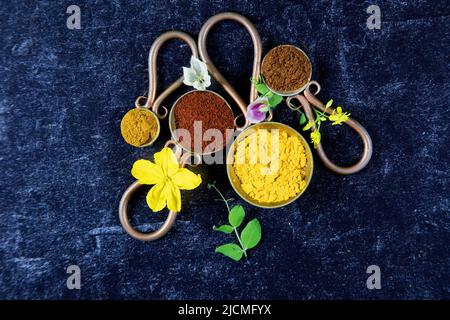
x=209 y=109
x=271 y=167
x=139 y=127
x=286 y=69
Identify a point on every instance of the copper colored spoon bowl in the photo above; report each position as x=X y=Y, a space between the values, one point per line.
x=234 y=179
x=296 y=91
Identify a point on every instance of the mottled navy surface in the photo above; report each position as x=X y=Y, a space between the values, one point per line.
x=64 y=164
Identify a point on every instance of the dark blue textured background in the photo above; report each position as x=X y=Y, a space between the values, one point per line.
x=64 y=165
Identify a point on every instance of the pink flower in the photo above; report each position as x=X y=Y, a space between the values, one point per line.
x=256 y=111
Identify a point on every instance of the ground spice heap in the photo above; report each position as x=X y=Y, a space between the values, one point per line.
x=278 y=173
x=211 y=110
x=286 y=69
x=138 y=127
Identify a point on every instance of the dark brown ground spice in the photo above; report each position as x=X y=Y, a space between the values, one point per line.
x=286 y=69
x=207 y=107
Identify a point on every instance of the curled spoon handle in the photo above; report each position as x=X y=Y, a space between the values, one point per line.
x=154 y=102
x=257 y=49
x=123 y=206
x=309 y=98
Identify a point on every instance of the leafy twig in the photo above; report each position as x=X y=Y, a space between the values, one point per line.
x=249 y=237
x=212 y=185
x=264 y=92
x=338 y=117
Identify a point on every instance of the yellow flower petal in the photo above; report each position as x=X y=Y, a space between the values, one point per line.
x=315 y=138
x=333 y=117
x=167 y=161
x=147 y=172
x=157 y=197
x=186 y=179
x=173 y=197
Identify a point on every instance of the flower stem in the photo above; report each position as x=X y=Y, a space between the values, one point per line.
x=221 y=195
x=240 y=242
x=211 y=185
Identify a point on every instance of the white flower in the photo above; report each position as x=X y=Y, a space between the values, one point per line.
x=197 y=75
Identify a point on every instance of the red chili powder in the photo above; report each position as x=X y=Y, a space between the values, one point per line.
x=211 y=110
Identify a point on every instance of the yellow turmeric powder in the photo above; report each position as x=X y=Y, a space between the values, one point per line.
x=138 y=127
x=271 y=165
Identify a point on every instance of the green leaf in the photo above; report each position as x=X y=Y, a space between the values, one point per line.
x=275 y=100
x=318 y=113
x=323 y=118
x=329 y=103
x=231 y=250
x=251 y=235
x=262 y=88
x=236 y=216
x=302 y=118
x=308 y=126
x=224 y=228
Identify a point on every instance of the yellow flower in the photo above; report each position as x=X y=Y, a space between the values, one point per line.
x=168 y=178
x=315 y=138
x=338 y=117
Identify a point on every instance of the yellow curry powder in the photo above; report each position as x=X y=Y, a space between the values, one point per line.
x=271 y=165
x=138 y=127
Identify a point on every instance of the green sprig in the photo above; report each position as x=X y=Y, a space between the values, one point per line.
x=337 y=117
x=249 y=237
x=264 y=92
